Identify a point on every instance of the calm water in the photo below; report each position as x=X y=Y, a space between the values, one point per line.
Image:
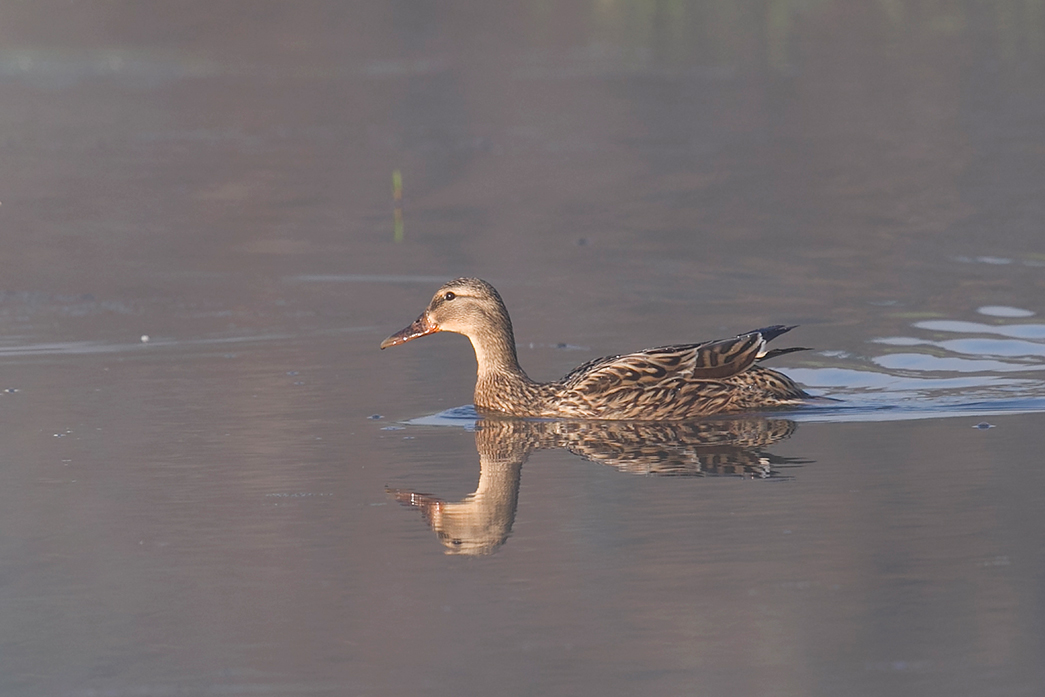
x=256 y=500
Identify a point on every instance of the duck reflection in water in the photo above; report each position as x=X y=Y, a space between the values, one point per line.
x=481 y=522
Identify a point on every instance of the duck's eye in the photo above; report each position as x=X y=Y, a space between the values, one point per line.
x=449 y=295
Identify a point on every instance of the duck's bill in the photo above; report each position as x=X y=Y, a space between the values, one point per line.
x=420 y=327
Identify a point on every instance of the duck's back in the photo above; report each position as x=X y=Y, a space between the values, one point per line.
x=678 y=382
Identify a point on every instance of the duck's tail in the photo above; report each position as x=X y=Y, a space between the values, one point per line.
x=770 y=333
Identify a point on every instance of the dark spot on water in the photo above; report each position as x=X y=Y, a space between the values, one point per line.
x=292 y=372
x=375 y=417
x=983 y=425
x=582 y=242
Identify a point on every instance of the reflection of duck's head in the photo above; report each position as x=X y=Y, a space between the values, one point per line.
x=480 y=522
x=474 y=526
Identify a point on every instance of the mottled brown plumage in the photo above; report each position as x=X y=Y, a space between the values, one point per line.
x=668 y=383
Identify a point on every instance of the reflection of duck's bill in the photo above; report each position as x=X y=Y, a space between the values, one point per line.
x=415 y=499
x=422 y=326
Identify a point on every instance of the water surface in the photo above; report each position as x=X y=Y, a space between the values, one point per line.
x=215 y=482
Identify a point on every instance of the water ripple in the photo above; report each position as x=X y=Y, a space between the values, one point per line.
x=933 y=375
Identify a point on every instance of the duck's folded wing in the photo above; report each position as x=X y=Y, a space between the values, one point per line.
x=713 y=360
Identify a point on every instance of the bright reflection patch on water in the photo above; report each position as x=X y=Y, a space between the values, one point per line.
x=936 y=377
x=1019 y=331
x=1004 y=311
x=929 y=363
x=976 y=347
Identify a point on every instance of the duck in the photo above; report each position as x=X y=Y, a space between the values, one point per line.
x=665 y=383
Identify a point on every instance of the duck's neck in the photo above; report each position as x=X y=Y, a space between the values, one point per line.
x=500 y=381
x=495 y=354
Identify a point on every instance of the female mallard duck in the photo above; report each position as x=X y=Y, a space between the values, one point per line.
x=668 y=383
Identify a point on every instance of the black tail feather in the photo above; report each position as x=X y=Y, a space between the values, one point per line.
x=773 y=353
x=770 y=333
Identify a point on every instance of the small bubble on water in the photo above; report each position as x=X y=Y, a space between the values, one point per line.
x=375 y=417
x=1001 y=560
x=983 y=426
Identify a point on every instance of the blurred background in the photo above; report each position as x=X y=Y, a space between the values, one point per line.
x=212 y=213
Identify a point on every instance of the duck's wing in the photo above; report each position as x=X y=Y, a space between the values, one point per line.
x=709 y=361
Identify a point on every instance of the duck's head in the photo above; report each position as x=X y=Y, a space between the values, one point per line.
x=468 y=306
